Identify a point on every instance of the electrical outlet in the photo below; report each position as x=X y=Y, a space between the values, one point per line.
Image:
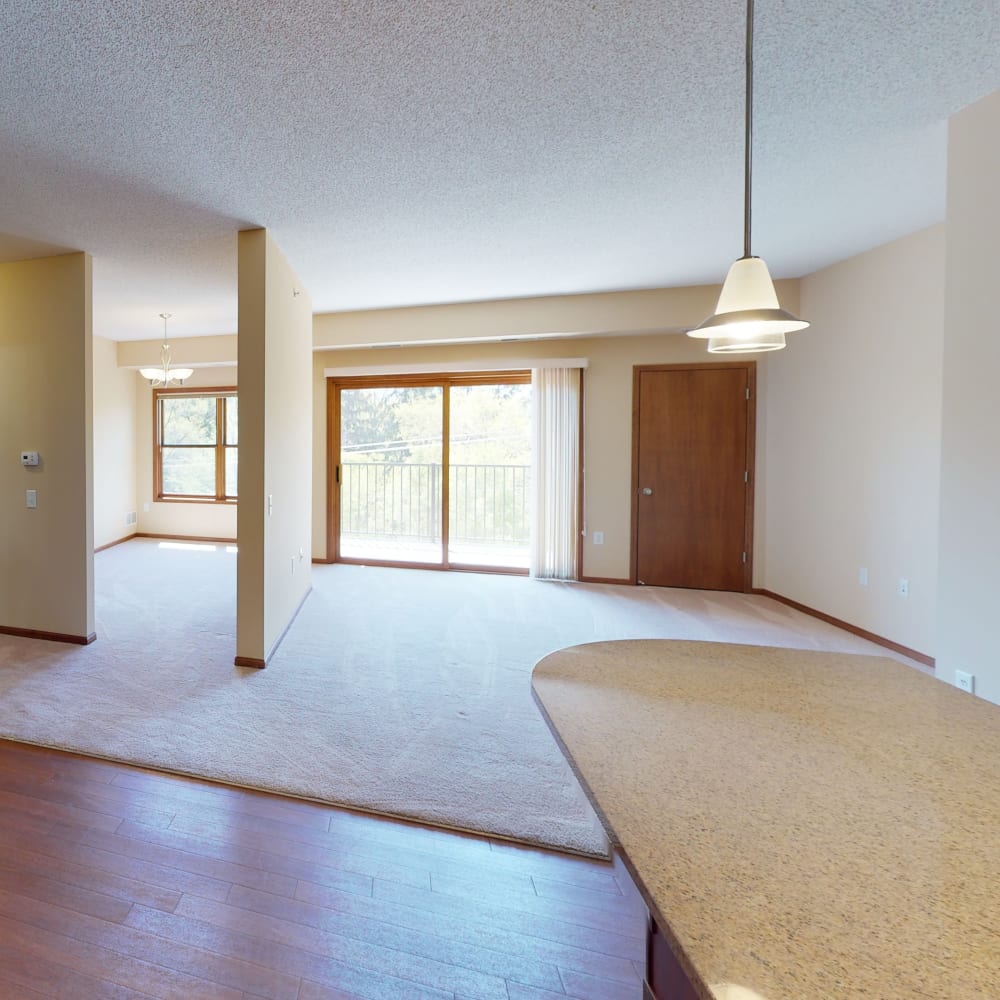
x=31 y=499
x=598 y=537
x=904 y=587
x=863 y=576
x=965 y=682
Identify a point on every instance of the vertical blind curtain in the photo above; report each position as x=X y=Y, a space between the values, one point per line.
x=555 y=472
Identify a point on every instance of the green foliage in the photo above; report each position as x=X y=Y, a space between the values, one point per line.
x=392 y=454
x=491 y=425
x=187 y=420
x=189 y=434
x=369 y=424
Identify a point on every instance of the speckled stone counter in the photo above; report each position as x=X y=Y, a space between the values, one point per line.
x=805 y=825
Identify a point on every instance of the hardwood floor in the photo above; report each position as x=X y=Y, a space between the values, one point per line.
x=116 y=882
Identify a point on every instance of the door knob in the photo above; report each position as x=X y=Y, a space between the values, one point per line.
x=647 y=491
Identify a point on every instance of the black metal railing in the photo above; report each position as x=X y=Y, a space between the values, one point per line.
x=488 y=504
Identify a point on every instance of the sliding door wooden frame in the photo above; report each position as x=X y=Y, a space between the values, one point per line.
x=445 y=381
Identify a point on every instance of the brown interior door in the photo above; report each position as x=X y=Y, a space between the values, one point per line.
x=692 y=476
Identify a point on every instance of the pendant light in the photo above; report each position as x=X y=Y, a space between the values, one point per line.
x=165 y=375
x=747 y=318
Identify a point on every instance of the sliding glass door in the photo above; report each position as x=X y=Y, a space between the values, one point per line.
x=391 y=464
x=433 y=471
x=489 y=475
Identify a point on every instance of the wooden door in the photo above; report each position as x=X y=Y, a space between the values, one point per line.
x=692 y=441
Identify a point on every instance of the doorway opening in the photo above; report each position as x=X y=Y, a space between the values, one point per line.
x=431 y=471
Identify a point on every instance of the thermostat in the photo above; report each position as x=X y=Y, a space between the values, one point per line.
x=29 y=458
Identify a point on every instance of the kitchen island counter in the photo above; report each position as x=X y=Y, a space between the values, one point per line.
x=801 y=824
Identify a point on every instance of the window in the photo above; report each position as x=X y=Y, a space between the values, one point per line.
x=196 y=444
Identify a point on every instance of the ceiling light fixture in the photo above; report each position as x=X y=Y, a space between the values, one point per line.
x=165 y=375
x=747 y=318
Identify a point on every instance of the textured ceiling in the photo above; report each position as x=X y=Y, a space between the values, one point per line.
x=448 y=150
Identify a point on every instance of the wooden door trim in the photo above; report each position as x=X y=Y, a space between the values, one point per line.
x=751 y=473
x=751 y=369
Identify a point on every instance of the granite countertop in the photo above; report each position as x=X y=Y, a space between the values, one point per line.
x=805 y=825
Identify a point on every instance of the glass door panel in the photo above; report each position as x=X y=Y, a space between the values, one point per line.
x=391 y=456
x=489 y=483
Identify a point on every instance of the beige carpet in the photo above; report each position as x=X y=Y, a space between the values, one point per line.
x=397 y=691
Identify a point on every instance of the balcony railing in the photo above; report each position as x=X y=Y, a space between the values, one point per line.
x=489 y=505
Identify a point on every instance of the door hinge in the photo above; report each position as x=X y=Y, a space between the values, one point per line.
x=338 y=474
x=744 y=558
x=748 y=392
x=746 y=476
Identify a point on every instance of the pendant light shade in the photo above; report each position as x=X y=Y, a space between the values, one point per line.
x=746 y=345
x=748 y=310
x=748 y=318
x=165 y=375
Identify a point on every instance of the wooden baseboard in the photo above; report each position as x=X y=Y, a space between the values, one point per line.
x=250 y=661
x=913 y=654
x=606 y=579
x=32 y=633
x=253 y=661
x=118 y=541
x=184 y=538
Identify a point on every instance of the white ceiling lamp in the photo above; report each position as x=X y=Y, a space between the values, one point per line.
x=748 y=318
x=165 y=375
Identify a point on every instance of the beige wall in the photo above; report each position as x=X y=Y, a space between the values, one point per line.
x=275 y=343
x=852 y=442
x=185 y=352
x=607 y=419
x=46 y=405
x=659 y=310
x=970 y=469
x=114 y=445
x=199 y=520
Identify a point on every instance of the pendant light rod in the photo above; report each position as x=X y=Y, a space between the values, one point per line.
x=748 y=133
x=748 y=318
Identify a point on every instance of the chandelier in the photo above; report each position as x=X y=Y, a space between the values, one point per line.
x=165 y=375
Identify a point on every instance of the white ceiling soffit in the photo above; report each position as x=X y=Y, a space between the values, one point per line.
x=428 y=152
x=455 y=367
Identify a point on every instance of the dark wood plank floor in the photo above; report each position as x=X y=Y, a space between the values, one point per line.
x=116 y=882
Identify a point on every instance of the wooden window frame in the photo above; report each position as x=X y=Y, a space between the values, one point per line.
x=220 y=393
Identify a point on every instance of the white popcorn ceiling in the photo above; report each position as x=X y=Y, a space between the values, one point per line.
x=414 y=151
